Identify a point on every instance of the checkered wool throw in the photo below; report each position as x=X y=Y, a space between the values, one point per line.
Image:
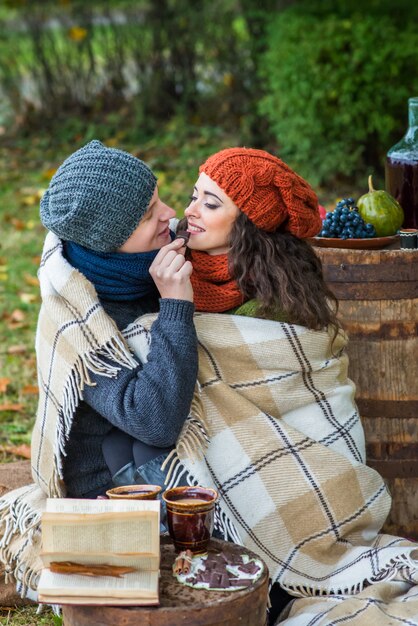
x=287 y=455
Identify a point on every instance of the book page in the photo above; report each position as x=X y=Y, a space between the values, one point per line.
x=134 y=585
x=115 y=532
x=80 y=505
x=109 y=600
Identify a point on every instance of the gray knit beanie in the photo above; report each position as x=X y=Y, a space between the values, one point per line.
x=97 y=197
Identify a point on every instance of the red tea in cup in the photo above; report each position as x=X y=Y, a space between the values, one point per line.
x=134 y=492
x=190 y=514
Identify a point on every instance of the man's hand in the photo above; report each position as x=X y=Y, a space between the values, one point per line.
x=171 y=272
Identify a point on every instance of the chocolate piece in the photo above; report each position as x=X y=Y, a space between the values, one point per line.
x=183 y=234
x=215 y=579
x=249 y=568
x=214 y=562
x=240 y=582
x=233 y=559
x=224 y=582
x=203 y=577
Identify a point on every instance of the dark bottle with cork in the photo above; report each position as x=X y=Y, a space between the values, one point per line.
x=402 y=169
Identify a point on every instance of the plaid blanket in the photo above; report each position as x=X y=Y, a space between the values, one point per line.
x=393 y=603
x=286 y=453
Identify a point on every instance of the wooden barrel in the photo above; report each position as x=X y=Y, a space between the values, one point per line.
x=180 y=604
x=378 y=297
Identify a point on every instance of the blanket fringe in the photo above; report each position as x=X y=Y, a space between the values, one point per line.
x=192 y=442
x=21 y=524
x=394 y=569
x=115 y=350
x=306 y=591
x=224 y=525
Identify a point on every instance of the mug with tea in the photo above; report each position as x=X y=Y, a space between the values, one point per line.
x=134 y=492
x=190 y=517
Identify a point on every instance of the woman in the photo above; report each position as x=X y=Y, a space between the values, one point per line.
x=286 y=448
x=285 y=444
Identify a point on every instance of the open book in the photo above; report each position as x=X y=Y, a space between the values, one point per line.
x=96 y=536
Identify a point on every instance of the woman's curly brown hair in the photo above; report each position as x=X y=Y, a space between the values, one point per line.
x=283 y=274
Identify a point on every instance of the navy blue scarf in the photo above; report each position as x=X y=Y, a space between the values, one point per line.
x=115 y=275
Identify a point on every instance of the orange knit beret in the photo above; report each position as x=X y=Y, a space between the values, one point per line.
x=266 y=190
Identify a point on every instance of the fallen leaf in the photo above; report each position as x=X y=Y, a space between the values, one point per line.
x=31 y=280
x=18 y=224
x=22 y=450
x=48 y=174
x=10 y=406
x=77 y=33
x=17 y=316
x=4 y=382
x=17 y=319
x=28 y=298
x=28 y=389
x=17 y=349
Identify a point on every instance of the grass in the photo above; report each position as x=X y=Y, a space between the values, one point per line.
x=28 y=616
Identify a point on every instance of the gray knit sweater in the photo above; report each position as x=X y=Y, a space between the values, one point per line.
x=149 y=403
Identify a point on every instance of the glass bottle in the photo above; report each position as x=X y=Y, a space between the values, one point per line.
x=401 y=169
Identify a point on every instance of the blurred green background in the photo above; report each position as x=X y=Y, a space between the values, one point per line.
x=323 y=84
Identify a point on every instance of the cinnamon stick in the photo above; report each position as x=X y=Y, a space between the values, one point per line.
x=68 y=567
x=183 y=562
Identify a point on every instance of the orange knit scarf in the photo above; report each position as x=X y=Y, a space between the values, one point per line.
x=214 y=289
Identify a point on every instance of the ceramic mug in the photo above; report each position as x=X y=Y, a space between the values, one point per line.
x=134 y=492
x=190 y=516
x=409 y=238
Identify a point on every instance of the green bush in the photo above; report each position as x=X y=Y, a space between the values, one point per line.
x=337 y=89
x=85 y=58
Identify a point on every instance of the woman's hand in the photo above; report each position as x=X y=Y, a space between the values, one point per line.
x=171 y=272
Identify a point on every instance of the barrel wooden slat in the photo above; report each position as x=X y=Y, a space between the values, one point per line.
x=397 y=409
x=403 y=513
x=372 y=290
x=180 y=604
x=378 y=306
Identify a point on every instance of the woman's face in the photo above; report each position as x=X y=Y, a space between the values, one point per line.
x=210 y=216
x=152 y=231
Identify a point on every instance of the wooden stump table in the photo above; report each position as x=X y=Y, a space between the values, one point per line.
x=378 y=297
x=180 y=604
